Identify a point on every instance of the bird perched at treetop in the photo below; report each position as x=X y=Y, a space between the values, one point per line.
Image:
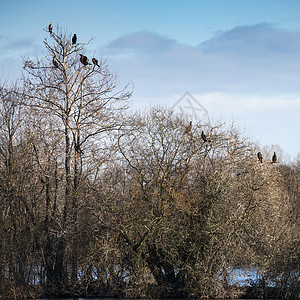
x=204 y=137
x=74 y=39
x=188 y=128
x=50 y=27
x=95 y=61
x=55 y=63
x=260 y=157
x=84 y=60
x=274 y=158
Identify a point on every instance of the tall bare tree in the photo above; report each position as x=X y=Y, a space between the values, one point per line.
x=83 y=101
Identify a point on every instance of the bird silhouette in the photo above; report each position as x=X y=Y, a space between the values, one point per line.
x=84 y=60
x=78 y=149
x=55 y=63
x=74 y=39
x=50 y=27
x=188 y=128
x=274 y=158
x=260 y=157
x=95 y=61
x=204 y=137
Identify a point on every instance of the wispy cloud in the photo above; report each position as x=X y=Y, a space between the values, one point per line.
x=259 y=58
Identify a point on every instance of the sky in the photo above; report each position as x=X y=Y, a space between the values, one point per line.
x=231 y=60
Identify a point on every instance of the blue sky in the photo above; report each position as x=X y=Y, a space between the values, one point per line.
x=240 y=59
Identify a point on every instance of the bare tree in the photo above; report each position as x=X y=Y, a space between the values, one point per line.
x=82 y=99
x=174 y=184
x=18 y=201
x=187 y=211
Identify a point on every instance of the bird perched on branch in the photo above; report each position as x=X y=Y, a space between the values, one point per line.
x=78 y=149
x=95 y=61
x=74 y=39
x=260 y=157
x=188 y=128
x=55 y=63
x=274 y=158
x=84 y=60
x=50 y=27
x=204 y=137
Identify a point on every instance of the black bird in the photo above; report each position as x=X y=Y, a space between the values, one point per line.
x=274 y=158
x=204 y=137
x=50 y=27
x=95 y=61
x=55 y=63
x=260 y=157
x=74 y=39
x=84 y=60
x=188 y=128
x=77 y=149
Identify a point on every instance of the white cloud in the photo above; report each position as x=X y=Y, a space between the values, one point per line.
x=259 y=59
